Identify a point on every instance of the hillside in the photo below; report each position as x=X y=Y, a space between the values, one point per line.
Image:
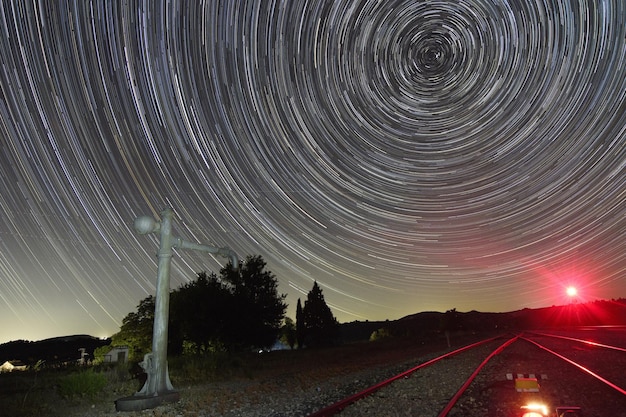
x=65 y=349
x=596 y=313
x=57 y=350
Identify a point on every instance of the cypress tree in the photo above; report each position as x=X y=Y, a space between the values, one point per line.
x=300 y=337
x=320 y=326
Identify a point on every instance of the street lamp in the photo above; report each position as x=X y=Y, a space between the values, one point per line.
x=158 y=387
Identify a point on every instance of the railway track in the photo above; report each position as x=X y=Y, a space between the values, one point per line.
x=530 y=374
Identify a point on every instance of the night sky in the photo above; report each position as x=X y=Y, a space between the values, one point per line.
x=408 y=155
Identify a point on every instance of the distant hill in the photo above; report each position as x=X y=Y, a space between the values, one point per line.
x=65 y=349
x=53 y=351
x=596 y=313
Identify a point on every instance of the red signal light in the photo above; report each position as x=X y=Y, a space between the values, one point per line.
x=571 y=291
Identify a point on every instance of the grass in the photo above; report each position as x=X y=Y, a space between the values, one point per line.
x=52 y=392
x=84 y=383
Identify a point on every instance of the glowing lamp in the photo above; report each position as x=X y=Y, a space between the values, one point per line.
x=535 y=410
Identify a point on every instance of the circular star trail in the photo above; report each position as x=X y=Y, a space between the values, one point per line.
x=407 y=155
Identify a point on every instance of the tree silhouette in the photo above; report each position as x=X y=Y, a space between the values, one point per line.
x=300 y=331
x=320 y=326
x=257 y=309
x=199 y=313
x=238 y=310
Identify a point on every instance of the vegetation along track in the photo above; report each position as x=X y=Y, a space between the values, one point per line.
x=582 y=373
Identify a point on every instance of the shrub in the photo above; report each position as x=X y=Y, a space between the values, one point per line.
x=83 y=383
x=380 y=334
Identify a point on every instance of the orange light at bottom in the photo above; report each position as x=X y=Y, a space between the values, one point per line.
x=535 y=410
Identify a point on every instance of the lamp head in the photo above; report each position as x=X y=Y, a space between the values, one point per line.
x=146 y=224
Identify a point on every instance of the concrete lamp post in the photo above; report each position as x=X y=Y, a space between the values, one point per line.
x=158 y=388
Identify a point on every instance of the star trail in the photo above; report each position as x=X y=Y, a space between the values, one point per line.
x=408 y=155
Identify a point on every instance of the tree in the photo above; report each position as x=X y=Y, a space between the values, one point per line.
x=257 y=308
x=320 y=326
x=136 y=329
x=239 y=310
x=199 y=312
x=299 y=325
x=288 y=333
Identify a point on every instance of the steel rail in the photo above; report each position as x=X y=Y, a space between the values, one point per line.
x=340 y=405
x=469 y=380
x=579 y=366
x=588 y=342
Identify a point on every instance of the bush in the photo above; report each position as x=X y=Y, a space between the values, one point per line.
x=80 y=384
x=380 y=334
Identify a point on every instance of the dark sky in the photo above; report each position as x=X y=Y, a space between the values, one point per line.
x=407 y=155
